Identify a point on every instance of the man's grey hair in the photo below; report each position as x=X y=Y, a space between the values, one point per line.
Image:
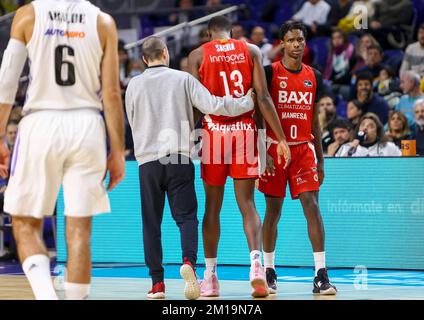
x=152 y=48
x=419 y=102
x=412 y=75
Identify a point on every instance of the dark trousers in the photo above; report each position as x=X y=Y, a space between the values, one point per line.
x=176 y=180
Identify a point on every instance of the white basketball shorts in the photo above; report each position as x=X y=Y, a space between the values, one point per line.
x=54 y=148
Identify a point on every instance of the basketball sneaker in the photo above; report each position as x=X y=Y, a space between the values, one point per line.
x=158 y=291
x=258 y=281
x=271 y=279
x=192 y=287
x=209 y=285
x=322 y=284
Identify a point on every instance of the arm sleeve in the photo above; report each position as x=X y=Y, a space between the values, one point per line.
x=221 y=106
x=269 y=75
x=320 y=85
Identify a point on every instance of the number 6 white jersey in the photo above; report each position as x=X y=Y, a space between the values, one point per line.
x=65 y=56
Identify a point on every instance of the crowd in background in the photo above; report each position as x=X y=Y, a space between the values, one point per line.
x=374 y=76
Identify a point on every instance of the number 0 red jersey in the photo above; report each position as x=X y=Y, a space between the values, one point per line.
x=294 y=95
x=226 y=70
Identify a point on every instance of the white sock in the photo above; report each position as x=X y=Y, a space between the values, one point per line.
x=319 y=258
x=211 y=265
x=76 y=291
x=255 y=255
x=37 y=271
x=269 y=258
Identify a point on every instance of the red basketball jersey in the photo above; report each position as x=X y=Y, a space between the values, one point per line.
x=293 y=95
x=226 y=70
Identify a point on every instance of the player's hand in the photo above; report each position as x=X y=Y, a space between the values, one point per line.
x=252 y=94
x=320 y=168
x=283 y=151
x=270 y=167
x=116 y=168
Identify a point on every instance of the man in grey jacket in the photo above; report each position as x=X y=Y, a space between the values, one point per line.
x=159 y=105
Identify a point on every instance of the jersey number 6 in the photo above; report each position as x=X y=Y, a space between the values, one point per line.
x=69 y=79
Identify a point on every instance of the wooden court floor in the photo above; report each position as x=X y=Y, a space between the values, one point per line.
x=17 y=288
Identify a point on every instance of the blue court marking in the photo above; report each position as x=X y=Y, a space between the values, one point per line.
x=285 y=274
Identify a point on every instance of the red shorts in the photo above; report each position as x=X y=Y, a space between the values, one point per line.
x=229 y=149
x=302 y=173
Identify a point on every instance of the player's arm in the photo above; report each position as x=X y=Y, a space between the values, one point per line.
x=14 y=58
x=266 y=106
x=194 y=62
x=113 y=109
x=316 y=128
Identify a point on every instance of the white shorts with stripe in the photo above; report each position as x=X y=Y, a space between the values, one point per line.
x=55 y=148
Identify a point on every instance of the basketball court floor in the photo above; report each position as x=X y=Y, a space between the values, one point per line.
x=131 y=282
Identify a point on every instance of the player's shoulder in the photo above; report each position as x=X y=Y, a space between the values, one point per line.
x=253 y=48
x=25 y=12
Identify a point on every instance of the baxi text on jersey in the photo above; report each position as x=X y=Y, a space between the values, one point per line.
x=294 y=115
x=295 y=97
x=234 y=58
x=65 y=34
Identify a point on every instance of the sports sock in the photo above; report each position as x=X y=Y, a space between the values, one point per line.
x=37 y=271
x=76 y=291
x=255 y=255
x=319 y=258
x=269 y=258
x=211 y=265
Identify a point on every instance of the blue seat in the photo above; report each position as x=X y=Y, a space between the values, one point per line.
x=342 y=109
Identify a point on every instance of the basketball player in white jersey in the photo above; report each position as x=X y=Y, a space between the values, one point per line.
x=72 y=49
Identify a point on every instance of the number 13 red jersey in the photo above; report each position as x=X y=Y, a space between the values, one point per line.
x=226 y=70
x=294 y=96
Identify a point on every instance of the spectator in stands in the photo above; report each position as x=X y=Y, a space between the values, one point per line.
x=398 y=128
x=124 y=61
x=339 y=62
x=339 y=9
x=370 y=140
x=410 y=85
x=414 y=55
x=372 y=102
x=11 y=133
x=312 y=14
x=327 y=117
x=385 y=25
x=355 y=110
x=238 y=32
x=183 y=16
x=418 y=133
x=258 y=38
x=389 y=86
x=361 y=50
x=373 y=64
x=341 y=134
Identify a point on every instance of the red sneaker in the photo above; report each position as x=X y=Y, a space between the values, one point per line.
x=158 y=291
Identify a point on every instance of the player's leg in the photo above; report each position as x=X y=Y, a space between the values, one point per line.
x=34 y=256
x=183 y=203
x=31 y=194
x=272 y=217
x=211 y=230
x=274 y=188
x=84 y=193
x=244 y=190
x=78 y=266
x=304 y=184
x=316 y=234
